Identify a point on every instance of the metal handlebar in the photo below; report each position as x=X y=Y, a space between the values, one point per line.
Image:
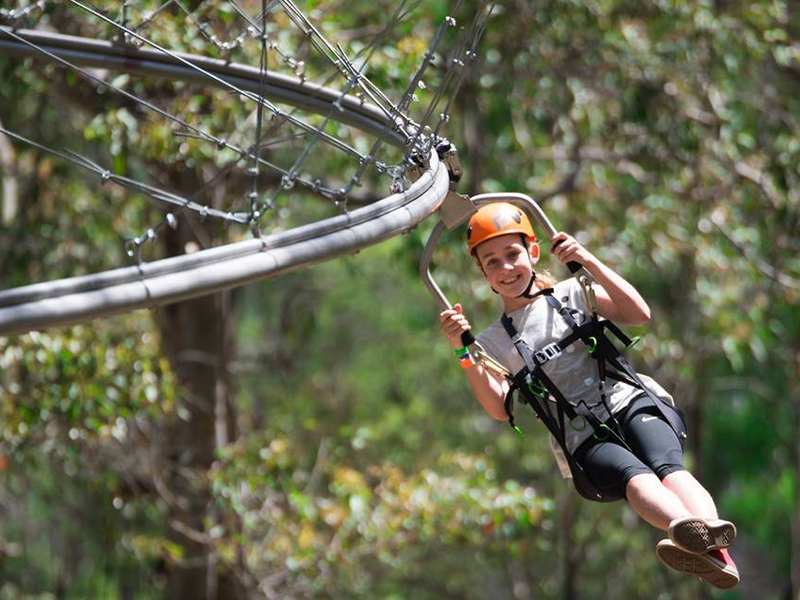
x=523 y=201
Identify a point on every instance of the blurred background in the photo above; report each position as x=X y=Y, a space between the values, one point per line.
x=312 y=436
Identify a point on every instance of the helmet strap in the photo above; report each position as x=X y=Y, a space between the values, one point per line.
x=527 y=292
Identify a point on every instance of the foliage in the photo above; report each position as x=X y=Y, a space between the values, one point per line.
x=340 y=532
x=79 y=407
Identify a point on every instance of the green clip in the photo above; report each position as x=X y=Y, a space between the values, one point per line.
x=537 y=389
x=607 y=431
x=517 y=429
x=634 y=341
x=592 y=345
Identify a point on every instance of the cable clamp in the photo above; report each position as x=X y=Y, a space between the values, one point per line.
x=449 y=156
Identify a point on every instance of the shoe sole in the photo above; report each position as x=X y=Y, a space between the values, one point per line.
x=700 y=536
x=696 y=564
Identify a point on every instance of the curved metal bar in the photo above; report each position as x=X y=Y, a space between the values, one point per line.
x=77 y=299
x=86 y=52
x=425 y=267
x=525 y=202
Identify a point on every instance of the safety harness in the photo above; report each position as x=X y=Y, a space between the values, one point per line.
x=538 y=390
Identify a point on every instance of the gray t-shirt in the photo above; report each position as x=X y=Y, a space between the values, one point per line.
x=574 y=372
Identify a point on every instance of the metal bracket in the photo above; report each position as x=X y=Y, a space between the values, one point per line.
x=416 y=167
x=456 y=210
x=448 y=155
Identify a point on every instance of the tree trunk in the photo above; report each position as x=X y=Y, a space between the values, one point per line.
x=569 y=556
x=199 y=340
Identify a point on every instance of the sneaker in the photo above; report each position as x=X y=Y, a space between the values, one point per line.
x=715 y=568
x=699 y=535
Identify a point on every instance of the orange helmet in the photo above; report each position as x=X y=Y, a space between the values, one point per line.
x=496 y=219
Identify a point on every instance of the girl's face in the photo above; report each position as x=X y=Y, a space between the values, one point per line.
x=506 y=263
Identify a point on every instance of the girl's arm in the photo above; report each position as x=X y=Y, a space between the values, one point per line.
x=489 y=389
x=617 y=299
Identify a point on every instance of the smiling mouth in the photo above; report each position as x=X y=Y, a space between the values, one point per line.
x=510 y=281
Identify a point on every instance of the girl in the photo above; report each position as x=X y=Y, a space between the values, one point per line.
x=644 y=462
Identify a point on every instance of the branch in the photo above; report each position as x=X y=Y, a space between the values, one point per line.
x=191 y=533
x=319 y=466
x=764 y=267
x=757 y=176
x=567 y=183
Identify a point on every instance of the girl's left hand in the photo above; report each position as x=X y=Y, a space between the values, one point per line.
x=567 y=248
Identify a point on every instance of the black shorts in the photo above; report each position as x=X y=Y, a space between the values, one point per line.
x=656 y=449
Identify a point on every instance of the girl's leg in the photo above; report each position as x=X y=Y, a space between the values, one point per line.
x=655 y=502
x=654 y=441
x=698 y=540
x=691 y=493
x=618 y=472
x=703 y=531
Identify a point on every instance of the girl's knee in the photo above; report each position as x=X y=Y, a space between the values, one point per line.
x=640 y=483
x=677 y=473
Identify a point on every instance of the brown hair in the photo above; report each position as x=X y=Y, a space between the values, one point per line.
x=544 y=279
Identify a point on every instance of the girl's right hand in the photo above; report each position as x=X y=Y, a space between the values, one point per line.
x=453 y=323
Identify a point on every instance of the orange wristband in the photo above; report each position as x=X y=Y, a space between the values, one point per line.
x=465 y=360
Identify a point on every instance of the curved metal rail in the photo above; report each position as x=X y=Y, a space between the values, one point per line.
x=178 y=278
x=86 y=52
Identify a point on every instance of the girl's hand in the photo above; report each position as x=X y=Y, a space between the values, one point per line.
x=452 y=324
x=567 y=248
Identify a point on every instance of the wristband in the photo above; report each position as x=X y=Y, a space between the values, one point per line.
x=461 y=351
x=465 y=360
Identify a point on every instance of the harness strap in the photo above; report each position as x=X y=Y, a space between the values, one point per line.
x=627 y=342
x=607 y=352
x=622 y=378
x=534 y=374
x=523 y=382
x=573 y=411
x=600 y=348
x=673 y=416
x=522 y=347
